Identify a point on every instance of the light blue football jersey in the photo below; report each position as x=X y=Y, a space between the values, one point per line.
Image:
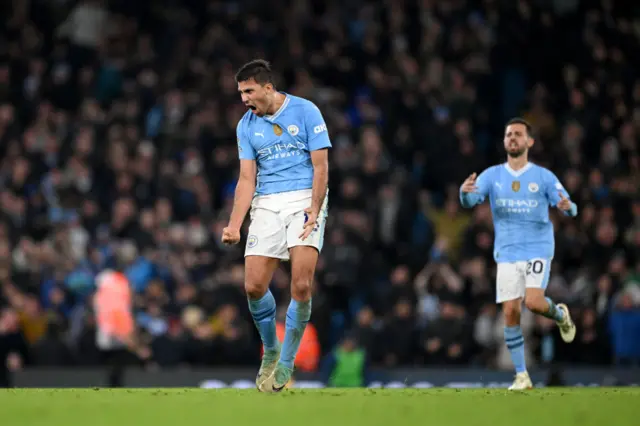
x=520 y=202
x=282 y=143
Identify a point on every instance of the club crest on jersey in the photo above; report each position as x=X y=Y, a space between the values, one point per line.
x=277 y=130
x=515 y=185
x=293 y=130
x=533 y=187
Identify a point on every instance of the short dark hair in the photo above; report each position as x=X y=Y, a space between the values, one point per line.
x=258 y=69
x=525 y=123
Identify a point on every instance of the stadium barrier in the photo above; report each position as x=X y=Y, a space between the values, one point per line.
x=244 y=378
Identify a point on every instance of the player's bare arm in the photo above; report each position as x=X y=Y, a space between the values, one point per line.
x=245 y=189
x=320 y=161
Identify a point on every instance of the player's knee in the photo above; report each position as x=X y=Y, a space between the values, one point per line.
x=301 y=288
x=535 y=303
x=511 y=312
x=254 y=290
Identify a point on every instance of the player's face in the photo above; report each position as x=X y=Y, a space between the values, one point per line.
x=516 y=140
x=255 y=96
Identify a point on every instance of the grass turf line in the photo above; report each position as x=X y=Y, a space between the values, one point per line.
x=354 y=407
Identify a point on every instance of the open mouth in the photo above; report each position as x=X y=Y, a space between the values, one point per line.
x=252 y=108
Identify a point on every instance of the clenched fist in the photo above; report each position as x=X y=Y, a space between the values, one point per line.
x=230 y=236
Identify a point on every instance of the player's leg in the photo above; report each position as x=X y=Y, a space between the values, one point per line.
x=510 y=291
x=537 y=279
x=304 y=258
x=303 y=265
x=266 y=246
x=262 y=305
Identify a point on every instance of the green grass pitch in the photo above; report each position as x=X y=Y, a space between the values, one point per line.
x=366 y=407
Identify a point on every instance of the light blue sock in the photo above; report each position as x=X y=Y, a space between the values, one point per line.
x=298 y=316
x=515 y=342
x=263 y=311
x=553 y=313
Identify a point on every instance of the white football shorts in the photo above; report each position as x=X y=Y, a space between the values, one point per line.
x=514 y=278
x=277 y=221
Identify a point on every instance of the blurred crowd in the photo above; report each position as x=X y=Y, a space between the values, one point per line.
x=117 y=149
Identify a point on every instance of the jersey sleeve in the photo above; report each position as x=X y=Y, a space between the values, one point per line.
x=245 y=149
x=483 y=183
x=553 y=188
x=316 y=128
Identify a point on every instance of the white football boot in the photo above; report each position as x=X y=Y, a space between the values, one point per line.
x=567 y=326
x=521 y=382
